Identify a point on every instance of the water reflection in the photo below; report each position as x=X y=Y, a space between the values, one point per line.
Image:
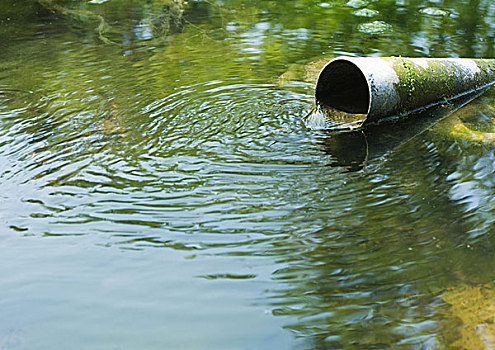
x=383 y=274
x=356 y=149
x=165 y=191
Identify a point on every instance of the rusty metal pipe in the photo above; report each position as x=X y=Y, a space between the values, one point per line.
x=359 y=90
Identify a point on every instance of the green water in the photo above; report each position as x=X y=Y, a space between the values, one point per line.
x=159 y=190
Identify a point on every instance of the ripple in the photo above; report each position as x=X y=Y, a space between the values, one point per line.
x=183 y=157
x=228 y=276
x=218 y=118
x=200 y=159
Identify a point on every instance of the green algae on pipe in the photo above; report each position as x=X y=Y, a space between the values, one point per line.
x=366 y=90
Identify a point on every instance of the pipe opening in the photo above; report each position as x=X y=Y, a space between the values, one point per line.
x=341 y=85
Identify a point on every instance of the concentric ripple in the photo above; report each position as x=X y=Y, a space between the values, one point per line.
x=201 y=159
x=161 y=191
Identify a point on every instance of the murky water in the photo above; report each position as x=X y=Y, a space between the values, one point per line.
x=159 y=188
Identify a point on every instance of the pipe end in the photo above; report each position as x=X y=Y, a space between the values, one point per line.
x=342 y=87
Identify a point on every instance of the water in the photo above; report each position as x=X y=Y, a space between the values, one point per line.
x=159 y=189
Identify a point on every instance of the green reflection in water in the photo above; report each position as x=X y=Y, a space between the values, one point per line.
x=163 y=191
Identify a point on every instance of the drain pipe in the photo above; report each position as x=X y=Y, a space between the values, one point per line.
x=357 y=91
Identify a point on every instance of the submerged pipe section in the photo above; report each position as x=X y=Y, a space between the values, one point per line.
x=358 y=90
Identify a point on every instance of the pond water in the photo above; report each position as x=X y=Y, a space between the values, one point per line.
x=159 y=189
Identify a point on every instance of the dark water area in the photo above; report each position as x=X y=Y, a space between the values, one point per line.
x=159 y=188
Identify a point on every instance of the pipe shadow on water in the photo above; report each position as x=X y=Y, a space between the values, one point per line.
x=359 y=149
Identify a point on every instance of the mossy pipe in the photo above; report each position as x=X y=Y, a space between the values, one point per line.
x=384 y=88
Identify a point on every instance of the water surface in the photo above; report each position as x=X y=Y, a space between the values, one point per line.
x=159 y=189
